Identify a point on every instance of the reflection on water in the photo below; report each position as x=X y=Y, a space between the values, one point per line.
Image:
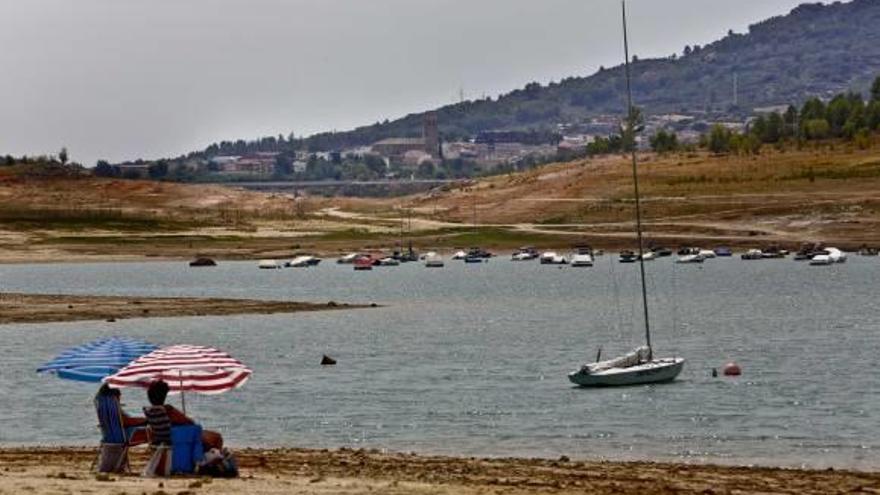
x=472 y=359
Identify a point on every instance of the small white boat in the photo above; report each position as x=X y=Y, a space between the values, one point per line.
x=301 y=262
x=579 y=260
x=524 y=253
x=635 y=368
x=837 y=255
x=690 y=258
x=552 y=258
x=753 y=254
x=433 y=260
x=649 y=256
x=828 y=256
x=389 y=261
x=821 y=259
x=269 y=265
x=707 y=254
x=548 y=257
x=348 y=258
x=459 y=255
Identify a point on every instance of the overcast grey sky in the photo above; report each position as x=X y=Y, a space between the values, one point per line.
x=122 y=79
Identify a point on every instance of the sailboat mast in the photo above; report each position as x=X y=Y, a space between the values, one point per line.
x=631 y=124
x=475 y=214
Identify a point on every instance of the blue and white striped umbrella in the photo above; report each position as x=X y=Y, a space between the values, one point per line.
x=93 y=361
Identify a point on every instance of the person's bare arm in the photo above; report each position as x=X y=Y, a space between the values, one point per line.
x=177 y=417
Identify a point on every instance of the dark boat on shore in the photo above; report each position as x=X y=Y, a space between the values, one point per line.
x=661 y=252
x=628 y=257
x=203 y=262
x=477 y=255
x=723 y=251
x=808 y=251
x=868 y=251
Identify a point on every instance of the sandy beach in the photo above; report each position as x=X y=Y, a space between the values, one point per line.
x=46 y=308
x=66 y=470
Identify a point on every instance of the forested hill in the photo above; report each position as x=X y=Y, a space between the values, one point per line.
x=814 y=50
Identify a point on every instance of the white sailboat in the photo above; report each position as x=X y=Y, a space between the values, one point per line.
x=640 y=366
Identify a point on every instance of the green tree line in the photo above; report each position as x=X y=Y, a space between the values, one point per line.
x=846 y=116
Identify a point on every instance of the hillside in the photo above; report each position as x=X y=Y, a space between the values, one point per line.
x=828 y=192
x=815 y=50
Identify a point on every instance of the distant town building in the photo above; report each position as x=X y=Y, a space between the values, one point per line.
x=396 y=148
x=259 y=163
x=431 y=133
x=770 y=109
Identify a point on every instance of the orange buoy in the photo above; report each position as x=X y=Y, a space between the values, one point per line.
x=732 y=369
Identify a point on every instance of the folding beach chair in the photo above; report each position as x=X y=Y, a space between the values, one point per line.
x=178 y=452
x=181 y=457
x=113 y=453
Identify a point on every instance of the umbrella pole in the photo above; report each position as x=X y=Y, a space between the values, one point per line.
x=182 y=393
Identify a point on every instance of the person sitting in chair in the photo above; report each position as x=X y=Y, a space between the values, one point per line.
x=161 y=417
x=131 y=423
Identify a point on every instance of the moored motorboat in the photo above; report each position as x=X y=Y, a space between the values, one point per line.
x=388 y=261
x=459 y=255
x=524 y=253
x=723 y=251
x=269 y=265
x=808 y=251
x=868 y=251
x=363 y=263
x=706 y=253
x=202 y=262
x=828 y=256
x=821 y=259
x=433 y=260
x=301 y=262
x=753 y=254
x=348 y=258
x=476 y=255
x=774 y=252
x=661 y=252
x=691 y=258
x=628 y=257
x=581 y=260
x=548 y=257
x=582 y=257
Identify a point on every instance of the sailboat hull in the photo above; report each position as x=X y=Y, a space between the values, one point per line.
x=656 y=371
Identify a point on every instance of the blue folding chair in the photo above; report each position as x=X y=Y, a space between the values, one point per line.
x=181 y=457
x=186 y=448
x=113 y=453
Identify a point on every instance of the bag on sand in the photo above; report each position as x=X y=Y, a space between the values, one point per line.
x=218 y=464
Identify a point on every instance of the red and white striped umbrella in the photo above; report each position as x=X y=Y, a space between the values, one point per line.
x=185 y=368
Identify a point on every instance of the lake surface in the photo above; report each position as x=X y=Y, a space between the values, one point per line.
x=472 y=359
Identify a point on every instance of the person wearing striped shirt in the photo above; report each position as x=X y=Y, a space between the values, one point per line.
x=161 y=417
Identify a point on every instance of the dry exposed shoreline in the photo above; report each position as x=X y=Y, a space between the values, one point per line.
x=46 y=308
x=66 y=470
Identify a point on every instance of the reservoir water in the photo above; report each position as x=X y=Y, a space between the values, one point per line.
x=472 y=359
